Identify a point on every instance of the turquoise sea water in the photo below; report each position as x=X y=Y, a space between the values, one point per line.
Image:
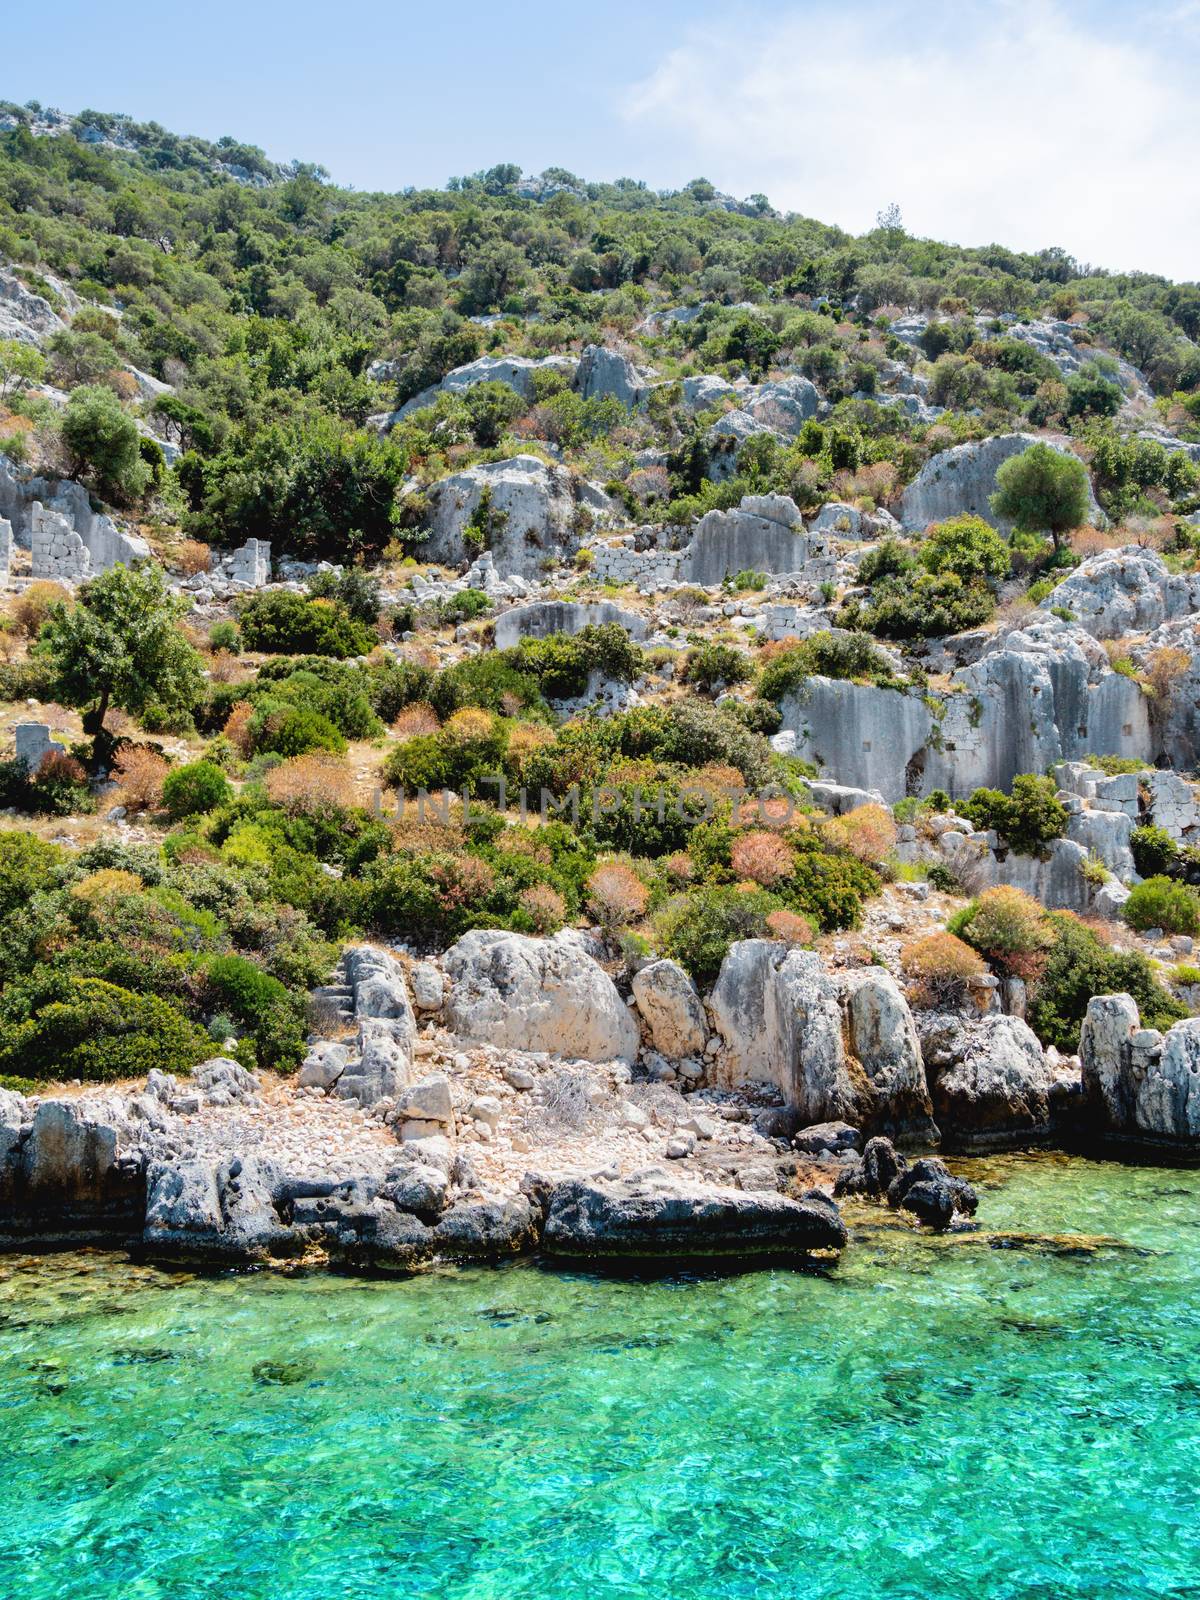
x=928 y=1419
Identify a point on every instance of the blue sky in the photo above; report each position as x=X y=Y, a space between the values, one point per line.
x=1072 y=123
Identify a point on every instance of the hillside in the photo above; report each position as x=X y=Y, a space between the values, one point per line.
x=560 y=668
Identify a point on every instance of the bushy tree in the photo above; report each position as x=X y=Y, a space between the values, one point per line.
x=120 y=646
x=1042 y=490
x=104 y=443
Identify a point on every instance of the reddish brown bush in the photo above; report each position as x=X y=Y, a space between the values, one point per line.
x=867 y=832
x=462 y=881
x=543 y=906
x=420 y=717
x=939 y=967
x=192 y=558
x=237 y=728
x=616 y=894
x=311 y=785
x=790 y=927
x=762 y=857
x=30 y=608
x=139 y=772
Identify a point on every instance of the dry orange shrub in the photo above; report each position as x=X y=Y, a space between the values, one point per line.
x=616 y=894
x=790 y=927
x=192 y=557
x=139 y=772
x=420 y=717
x=311 y=784
x=31 y=607
x=762 y=857
x=237 y=727
x=544 y=907
x=938 y=968
x=868 y=832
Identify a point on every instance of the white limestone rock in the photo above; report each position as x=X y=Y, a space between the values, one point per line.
x=536 y=994
x=671 y=1009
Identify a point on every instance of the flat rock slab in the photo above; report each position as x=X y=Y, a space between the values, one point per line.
x=658 y=1218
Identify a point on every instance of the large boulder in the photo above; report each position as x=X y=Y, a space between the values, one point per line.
x=216 y=1210
x=25 y=316
x=671 y=1009
x=784 y=405
x=387 y=1027
x=604 y=374
x=763 y=534
x=990 y=1081
x=657 y=1217
x=532 y=516
x=779 y=1017
x=68 y=1169
x=1105 y=1041
x=882 y=1037
x=963 y=479
x=515 y=372
x=536 y=994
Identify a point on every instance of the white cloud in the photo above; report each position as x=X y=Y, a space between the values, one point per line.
x=1016 y=123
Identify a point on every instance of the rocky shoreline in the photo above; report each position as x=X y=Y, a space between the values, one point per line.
x=437 y=1122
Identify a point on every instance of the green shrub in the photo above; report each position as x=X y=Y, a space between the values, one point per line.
x=104 y=442
x=1155 y=853
x=698 y=928
x=86 y=1028
x=27 y=865
x=295 y=732
x=1162 y=903
x=1028 y=819
x=225 y=636
x=264 y=1005
x=829 y=655
x=923 y=607
x=280 y=622
x=1079 y=966
x=189 y=790
x=968 y=547
x=829 y=888
x=710 y=664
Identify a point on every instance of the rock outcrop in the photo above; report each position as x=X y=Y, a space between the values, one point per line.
x=963 y=479
x=605 y=374
x=763 y=534
x=68 y=1171
x=514 y=372
x=537 y=994
x=529 y=516
x=671 y=1010
x=1139 y=1083
x=835 y=1052
x=988 y=1077
x=541 y=618
x=1125 y=591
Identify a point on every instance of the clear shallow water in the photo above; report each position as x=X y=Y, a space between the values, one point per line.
x=926 y=1420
